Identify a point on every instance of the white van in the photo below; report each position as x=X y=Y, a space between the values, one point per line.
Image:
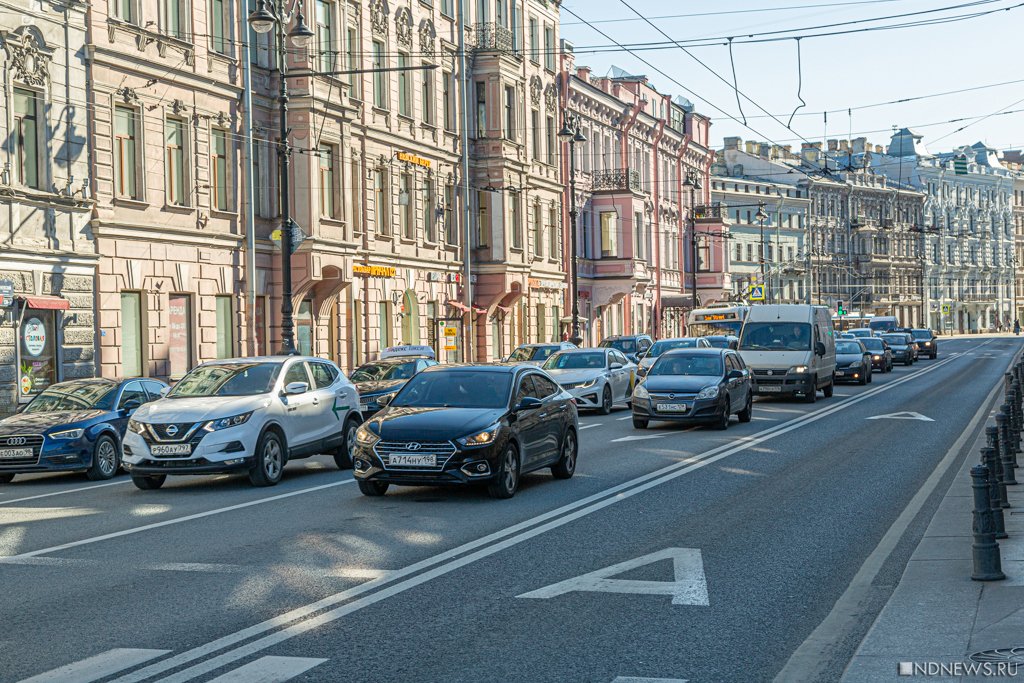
x=791 y=349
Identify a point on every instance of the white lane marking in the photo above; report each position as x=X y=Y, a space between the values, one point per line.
x=620 y=419
x=765 y=419
x=195 y=567
x=638 y=438
x=98 y=666
x=589 y=426
x=270 y=670
x=688 y=587
x=638 y=679
x=301 y=620
x=176 y=520
x=766 y=409
x=49 y=561
x=59 y=493
x=903 y=415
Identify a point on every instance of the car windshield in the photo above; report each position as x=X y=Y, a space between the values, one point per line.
x=575 y=361
x=718 y=342
x=848 y=347
x=74 y=396
x=873 y=344
x=624 y=345
x=664 y=345
x=376 y=372
x=860 y=333
x=227 y=379
x=688 y=365
x=895 y=339
x=532 y=353
x=922 y=334
x=883 y=324
x=778 y=336
x=455 y=389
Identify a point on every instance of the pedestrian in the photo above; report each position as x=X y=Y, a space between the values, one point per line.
x=1016 y=326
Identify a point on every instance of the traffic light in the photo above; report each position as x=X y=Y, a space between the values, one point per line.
x=839 y=308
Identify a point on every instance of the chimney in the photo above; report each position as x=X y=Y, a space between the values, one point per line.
x=844 y=145
x=733 y=143
x=787 y=151
x=776 y=151
x=860 y=145
x=833 y=145
x=583 y=73
x=764 y=149
x=879 y=149
x=810 y=152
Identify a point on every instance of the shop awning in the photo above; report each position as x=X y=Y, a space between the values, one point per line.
x=676 y=301
x=458 y=306
x=46 y=303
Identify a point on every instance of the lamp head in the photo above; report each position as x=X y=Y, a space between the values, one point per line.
x=300 y=35
x=260 y=19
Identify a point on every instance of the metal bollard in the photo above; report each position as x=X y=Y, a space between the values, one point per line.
x=991 y=462
x=984 y=550
x=1005 y=449
x=992 y=433
x=1007 y=381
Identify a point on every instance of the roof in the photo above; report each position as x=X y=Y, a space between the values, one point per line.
x=700 y=351
x=500 y=367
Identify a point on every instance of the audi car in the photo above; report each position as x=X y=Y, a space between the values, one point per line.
x=596 y=378
x=73 y=426
x=379 y=381
x=469 y=424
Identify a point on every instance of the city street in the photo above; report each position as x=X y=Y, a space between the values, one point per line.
x=734 y=546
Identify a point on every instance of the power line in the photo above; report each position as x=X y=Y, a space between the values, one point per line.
x=759 y=10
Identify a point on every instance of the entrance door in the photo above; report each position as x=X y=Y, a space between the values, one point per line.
x=410 y=318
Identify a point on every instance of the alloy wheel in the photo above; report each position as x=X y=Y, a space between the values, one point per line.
x=272 y=459
x=106 y=454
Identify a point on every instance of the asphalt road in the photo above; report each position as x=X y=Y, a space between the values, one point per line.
x=734 y=546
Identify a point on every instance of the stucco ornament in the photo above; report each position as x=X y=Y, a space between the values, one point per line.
x=427 y=38
x=535 y=90
x=27 y=55
x=379 y=17
x=403 y=28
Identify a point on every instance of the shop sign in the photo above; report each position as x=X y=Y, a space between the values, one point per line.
x=38 y=362
x=434 y=276
x=536 y=283
x=35 y=336
x=413 y=159
x=6 y=293
x=374 y=271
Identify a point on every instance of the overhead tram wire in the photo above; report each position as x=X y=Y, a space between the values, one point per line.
x=759 y=10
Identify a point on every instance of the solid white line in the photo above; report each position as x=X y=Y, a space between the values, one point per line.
x=620 y=419
x=444 y=563
x=637 y=679
x=176 y=520
x=97 y=667
x=269 y=670
x=589 y=426
x=59 y=493
x=195 y=567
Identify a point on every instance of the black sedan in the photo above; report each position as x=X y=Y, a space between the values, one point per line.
x=73 y=426
x=853 y=361
x=469 y=424
x=382 y=379
x=695 y=385
x=927 y=342
x=904 y=350
x=881 y=354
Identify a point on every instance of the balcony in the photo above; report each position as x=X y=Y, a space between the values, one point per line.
x=710 y=213
x=617 y=180
x=615 y=268
x=491 y=37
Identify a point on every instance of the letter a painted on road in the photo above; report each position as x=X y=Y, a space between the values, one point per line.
x=689 y=586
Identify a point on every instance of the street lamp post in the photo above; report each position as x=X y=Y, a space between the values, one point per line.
x=571 y=133
x=761 y=216
x=693 y=182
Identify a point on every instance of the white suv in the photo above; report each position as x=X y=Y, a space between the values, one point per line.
x=244 y=414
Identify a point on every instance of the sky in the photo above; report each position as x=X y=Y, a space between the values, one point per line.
x=839 y=72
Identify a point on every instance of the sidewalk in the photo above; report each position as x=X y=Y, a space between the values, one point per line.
x=937 y=614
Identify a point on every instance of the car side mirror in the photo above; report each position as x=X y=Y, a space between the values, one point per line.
x=615 y=366
x=295 y=388
x=734 y=374
x=131 y=406
x=529 y=403
x=819 y=348
x=164 y=391
x=384 y=400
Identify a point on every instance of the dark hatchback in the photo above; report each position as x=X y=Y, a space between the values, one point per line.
x=468 y=424
x=73 y=426
x=695 y=385
x=881 y=354
x=384 y=378
x=927 y=342
x=853 y=361
x=904 y=350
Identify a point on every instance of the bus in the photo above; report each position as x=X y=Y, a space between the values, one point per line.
x=726 y=319
x=851 y=320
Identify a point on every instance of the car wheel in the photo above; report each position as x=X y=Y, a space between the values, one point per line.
x=269 y=461
x=149 y=483
x=606 y=401
x=812 y=395
x=871 y=376
x=639 y=423
x=105 y=459
x=723 y=420
x=864 y=379
x=508 y=475
x=343 y=455
x=829 y=388
x=747 y=413
x=908 y=362
x=566 y=465
x=935 y=355
x=371 y=488
x=6 y=478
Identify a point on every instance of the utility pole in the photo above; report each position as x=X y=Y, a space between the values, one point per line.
x=572 y=133
x=761 y=216
x=469 y=343
x=693 y=182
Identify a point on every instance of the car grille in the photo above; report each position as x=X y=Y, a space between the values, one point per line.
x=442 y=450
x=33 y=441
x=182 y=431
x=673 y=397
x=761 y=372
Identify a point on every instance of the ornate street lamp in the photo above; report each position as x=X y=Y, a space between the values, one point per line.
x=693 y=182
x=572 y=133
x=762 y=216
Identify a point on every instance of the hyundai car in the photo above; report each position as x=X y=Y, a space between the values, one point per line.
x=596 y=378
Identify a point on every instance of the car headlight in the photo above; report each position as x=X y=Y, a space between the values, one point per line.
x=927 y=343
x=855 y=365
x=137 y=427
x=225 y=422
x=481 y=438
x=798 y=369
x=877 y=357
x=365 y=436
x=384 y=397
x=67 y=434
x=640 y=391
x=587 y=384
x=708 y=392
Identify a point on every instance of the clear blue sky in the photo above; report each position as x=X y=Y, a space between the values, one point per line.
x=839 y=71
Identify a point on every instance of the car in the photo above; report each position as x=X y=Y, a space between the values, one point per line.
x=903 y=347
x=596 y=378
x=881 y=354
x=381 y=379
x=723 y=341
x=853 y=361
x=695 y=385
x=861 y=332
x=631 y=345
x=662 y=345
x=884 y=323
x=537 y=353
x=73 y=426
x=926 y=341
x=846 y=335
x=469 y=424
x=248 y=415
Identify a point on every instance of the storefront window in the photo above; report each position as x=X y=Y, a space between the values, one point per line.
x=38 y=352
x=131 y=334
x=179 y=341
x=225 y=327
x=384 y=313
x=304 y=328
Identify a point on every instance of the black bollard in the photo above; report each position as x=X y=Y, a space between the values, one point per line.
x=992 y=433
x=984 y=550
x=991 y=462
x=1007 y=381
x=1005 y=450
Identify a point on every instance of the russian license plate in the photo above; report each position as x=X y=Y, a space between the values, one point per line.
x=839 y=373
x=12 y=453
x=770 y=388
x=414 y=460
x=672 y=407
x=171 y=449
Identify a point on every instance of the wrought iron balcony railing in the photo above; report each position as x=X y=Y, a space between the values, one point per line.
x=617 y=179
x=491 y=37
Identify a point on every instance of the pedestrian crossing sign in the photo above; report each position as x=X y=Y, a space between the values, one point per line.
x=756 y=293
x=945 y=309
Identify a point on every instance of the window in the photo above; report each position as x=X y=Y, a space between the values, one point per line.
x=428 y=95
x=451 y=236
x=482 y=229
x=304 y=328
x=447 y=8
x=324 y=374
x=739 y=252
x=225 y=327
x=556 y=322
x=327 y=40
x=296 y=373
x=550 y=130
x=384 y=313
x=704 y=256
x=179 y=338
x=534 y=41
x=381 y=196
x=125 y=160
x=481 y=109
x=535 y=134
x=132 y=394
x=500 y=13
x=429 y=211
x=327 y=189
x=174 y=13
x=609 y=229
x=219 y=31
x=404 y=91
x=638 y=228
x=405 y=201
x=356 y=325
x=26 y=132
x=355 y=205
x=131 y=334
x=549 y=47
x=352 y=55
x=380 y=78
x=538 y=232
x=510 y=113
x=516 y=220
x=554 y=234
x=174 y=132
x=124 y=10
x=542 y=323
x=219 y=169
x=448 y=100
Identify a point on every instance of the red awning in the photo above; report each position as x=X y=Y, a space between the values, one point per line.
x=46 y=303
x=459 y=306
x=479 y=311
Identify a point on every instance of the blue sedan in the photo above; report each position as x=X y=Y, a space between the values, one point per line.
x=73 y=426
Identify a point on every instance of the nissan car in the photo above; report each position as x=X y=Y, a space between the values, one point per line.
x=596 y=378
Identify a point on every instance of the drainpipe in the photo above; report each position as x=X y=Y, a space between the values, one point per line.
x=250 y=210
x=469 y=343
x=657 y=214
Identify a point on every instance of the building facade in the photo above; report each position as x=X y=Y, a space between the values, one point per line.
x=1014 y=160
x=47 y=253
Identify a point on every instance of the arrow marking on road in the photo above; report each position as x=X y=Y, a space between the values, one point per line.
x=905 y=415
x=638 y=438
x=690 y=587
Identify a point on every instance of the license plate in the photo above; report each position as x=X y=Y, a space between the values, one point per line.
x=414 y=460
x=673 y=407
x=839 y=373
x=171 y=449
x=12 y=453
x=769 y=389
